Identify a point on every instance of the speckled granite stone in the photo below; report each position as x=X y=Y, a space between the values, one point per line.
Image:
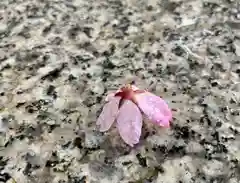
x=59 y=59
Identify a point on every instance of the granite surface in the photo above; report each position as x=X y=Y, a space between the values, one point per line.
x=60 y=58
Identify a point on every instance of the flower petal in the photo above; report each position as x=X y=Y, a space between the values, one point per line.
x=108 y=114
x=155 y=108
x=134 y=88
x=129 y=122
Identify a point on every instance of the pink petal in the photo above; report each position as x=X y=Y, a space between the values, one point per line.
x=108 y=114
x=129 y=122
x=155 y=108
x=111 y=95
x=134 y=88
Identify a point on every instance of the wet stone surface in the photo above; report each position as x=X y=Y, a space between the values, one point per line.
x=59 y=59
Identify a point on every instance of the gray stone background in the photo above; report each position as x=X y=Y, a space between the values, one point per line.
x=60 y=58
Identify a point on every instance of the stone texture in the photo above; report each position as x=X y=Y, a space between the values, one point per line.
x=59 y=59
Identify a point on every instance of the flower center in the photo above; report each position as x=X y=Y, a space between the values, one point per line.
x=126 y=93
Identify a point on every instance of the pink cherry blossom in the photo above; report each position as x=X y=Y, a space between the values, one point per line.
x=126 y=105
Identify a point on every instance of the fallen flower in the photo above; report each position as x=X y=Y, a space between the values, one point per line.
x=125 y=106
